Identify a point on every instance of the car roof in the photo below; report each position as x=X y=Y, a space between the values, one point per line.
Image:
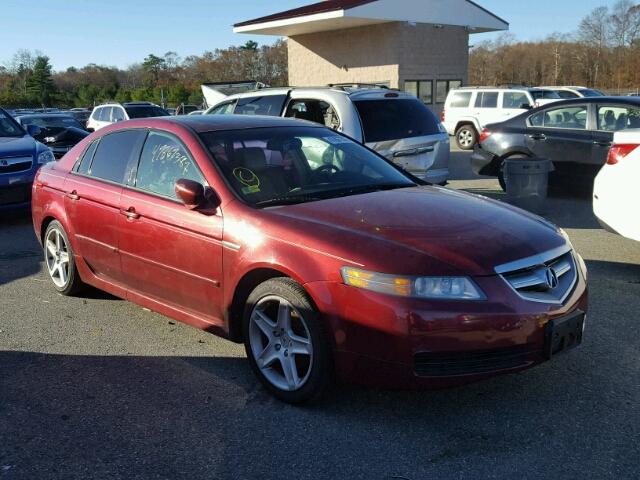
x=210 y=123
x=601 y=99
x=352 y=92
x=46 y=115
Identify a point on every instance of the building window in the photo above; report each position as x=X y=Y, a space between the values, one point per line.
x=443 y=87
x=423 y=89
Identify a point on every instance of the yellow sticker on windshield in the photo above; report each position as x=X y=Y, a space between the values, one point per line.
x=249 y=179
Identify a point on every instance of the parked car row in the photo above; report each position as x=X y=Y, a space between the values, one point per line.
x=468 y=110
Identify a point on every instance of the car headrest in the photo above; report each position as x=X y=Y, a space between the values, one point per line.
x=253 y=158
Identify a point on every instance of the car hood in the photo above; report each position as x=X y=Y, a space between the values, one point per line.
x=422 y=230
x=17 y=146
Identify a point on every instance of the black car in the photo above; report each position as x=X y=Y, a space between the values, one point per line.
x=60 y=132
x=575 y=134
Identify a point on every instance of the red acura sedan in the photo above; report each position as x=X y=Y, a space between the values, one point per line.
x=323 y=257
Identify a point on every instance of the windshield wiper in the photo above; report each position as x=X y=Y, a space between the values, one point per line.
x=287 y=200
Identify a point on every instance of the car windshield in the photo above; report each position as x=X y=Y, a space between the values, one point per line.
x=9 y=127
x=538 y=94
x=281 y=166
x=145 y=111
x=51 y=122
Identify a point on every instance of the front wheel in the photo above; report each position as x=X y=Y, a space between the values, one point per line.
x=59 y=260
x=466 y=137
x=285 y=341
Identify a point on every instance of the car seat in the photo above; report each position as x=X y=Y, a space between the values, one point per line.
x=255 y=178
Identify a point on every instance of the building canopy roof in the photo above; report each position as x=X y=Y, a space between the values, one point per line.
x=339 y=14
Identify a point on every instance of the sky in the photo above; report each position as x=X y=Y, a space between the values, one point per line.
x=122 y=32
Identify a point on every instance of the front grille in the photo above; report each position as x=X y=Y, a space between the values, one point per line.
x=12 y=195
x=547 y=278
x=445 y=364
x=15 y=164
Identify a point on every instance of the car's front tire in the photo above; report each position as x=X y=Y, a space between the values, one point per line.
x=285 y=341
x=59 y=260
x=466 y=137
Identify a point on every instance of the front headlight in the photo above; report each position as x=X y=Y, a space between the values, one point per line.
x=46 y=157
x=442 y=288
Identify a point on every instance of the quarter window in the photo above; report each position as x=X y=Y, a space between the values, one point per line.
x=460 y=100
x=615 y=118
x=163 y=162
x=223 y=109
x=571 y=118
x=114 y=153
x=266 y=105
x=85 y=163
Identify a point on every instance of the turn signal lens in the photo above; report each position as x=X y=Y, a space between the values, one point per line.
x=618 y=151
x=444 y=288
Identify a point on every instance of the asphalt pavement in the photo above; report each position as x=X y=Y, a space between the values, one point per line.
x=98 y=388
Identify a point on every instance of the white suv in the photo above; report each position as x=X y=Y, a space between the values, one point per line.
x=104 y=115
x=393 y=123
x=468 y=109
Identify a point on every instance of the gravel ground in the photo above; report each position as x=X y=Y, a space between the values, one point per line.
x=96 y=387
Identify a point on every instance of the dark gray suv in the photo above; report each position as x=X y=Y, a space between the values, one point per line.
x=575 y=134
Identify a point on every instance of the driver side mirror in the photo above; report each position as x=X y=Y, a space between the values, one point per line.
x=196 y=197
x=34 y=130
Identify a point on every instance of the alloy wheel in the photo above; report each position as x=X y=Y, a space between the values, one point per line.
x=281 y=343
x=465 y=138
x=57 y=257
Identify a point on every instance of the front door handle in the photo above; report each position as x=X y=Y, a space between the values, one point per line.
x=130 y=213
x=602 y=143
x=73 y=195
x=538 y=136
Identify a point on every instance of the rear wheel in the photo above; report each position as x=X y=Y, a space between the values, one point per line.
x=466 y=137
x=285 y=341
x=59 y=260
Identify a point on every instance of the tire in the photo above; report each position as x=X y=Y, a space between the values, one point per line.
x=466 y=137
x=279 y=318
x=501 y=179
x=59 y=260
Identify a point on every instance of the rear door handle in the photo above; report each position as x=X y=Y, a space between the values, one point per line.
x=537 y=136
x=602 y=143
x=73 y=195
x=130 y=213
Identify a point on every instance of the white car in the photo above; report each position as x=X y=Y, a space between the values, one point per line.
x=615 y=193
x=468 y=109
x=395 y=124
x=107 y=114
x=572 y=91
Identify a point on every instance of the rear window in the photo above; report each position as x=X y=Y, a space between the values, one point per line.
x=267 y=105
x=146 y=111
x=460 y=99
x=395 y=119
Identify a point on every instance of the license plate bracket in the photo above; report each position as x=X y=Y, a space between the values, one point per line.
x=564 y=333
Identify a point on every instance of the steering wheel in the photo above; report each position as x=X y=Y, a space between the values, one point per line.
x=327 y=168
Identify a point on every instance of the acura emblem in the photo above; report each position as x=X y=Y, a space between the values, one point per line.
x=552 y=278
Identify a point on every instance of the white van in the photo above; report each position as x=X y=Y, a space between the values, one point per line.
x=468 y=109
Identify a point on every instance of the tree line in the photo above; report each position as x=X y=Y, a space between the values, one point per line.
x=28 y=80
x=604 y=53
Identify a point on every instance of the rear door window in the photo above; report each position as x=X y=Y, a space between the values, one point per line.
x=395 y=119
x=570 y=118
x=114 y=155
x=487 y=100
x=460 y=99
x=513 y=100
x=266 y=105
x=163 y=162
x=85 y=163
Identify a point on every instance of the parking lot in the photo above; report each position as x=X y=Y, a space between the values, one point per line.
x=95 y=387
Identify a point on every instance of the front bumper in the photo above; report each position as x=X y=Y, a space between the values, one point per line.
x=391 y=342
x=15 y=191
x=437 y=176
